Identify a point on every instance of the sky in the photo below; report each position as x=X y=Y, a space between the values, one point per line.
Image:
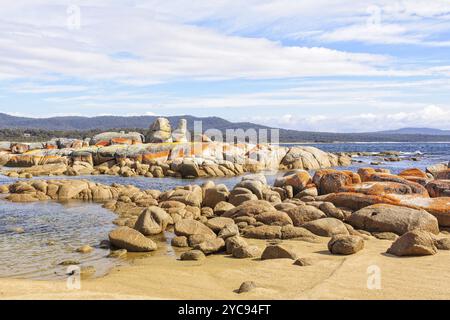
x=316 y=65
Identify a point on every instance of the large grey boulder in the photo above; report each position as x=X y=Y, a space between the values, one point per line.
x=390 y=218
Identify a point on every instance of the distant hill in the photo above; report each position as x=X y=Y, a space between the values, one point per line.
x=111 y=122
x=427 y=131
x=13 y=128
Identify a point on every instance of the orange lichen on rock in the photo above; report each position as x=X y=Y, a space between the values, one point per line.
x=49 y=159
x=415 y=187
x=356 y=201
x=121 y=141
x=413 y=172
x=439 y=207
x=438 y=188
x=102 y=143
x=443 y=174
x=380 y=188
x=151 y=157
x=330 y=180
x=298 y=180
x=366 y=173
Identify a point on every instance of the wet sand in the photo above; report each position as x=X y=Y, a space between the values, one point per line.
x=161 y=276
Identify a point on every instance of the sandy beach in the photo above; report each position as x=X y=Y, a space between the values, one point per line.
x=162 y=276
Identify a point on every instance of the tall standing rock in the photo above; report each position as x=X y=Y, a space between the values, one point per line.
x=160 y=131
x=180 y=133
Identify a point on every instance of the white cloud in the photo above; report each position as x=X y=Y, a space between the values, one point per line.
x=430 y=116
x=40 y=88
x=35 y=42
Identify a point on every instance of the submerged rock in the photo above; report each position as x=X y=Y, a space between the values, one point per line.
x=117 y=253
x=85 y=249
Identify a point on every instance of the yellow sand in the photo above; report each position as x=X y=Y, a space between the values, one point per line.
x=160 y=276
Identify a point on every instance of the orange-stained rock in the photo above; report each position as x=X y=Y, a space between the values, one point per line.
x=413 y=172
x=365 y=173
x=102 y=143
x=19 y=148
x=50 y=159
x=299 y=180
x=439 y=207
x=355 y=177
x=121 y=141
x=444 y=175
x=415 y=187
x=419 y=180
x=21 y=161
x=438 y=188
x=330 y=181
x=356 y=201
x=380 y=188
x=151 y=157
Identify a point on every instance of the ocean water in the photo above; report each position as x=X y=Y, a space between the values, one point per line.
x=70 y=225
x=427 y=153
x=51 y=233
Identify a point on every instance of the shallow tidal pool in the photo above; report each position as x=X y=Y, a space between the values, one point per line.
x=36 y=237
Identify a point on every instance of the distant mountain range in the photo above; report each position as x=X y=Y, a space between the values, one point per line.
x=69 y=124
x=428 y=131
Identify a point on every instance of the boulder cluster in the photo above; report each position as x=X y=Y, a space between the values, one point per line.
x=346 y=207
x=167 y=153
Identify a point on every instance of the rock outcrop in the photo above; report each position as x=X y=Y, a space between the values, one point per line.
x=164 y=153
x=160 y=131
x=390 y=218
